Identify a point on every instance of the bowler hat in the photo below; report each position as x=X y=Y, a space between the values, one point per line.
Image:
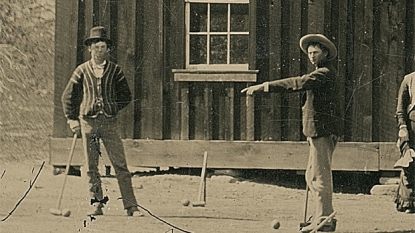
x=318 y=38
x=97 y=33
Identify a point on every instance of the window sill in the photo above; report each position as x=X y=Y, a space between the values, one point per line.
x=186 y=75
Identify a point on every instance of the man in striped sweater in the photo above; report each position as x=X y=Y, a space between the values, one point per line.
x=95 y=93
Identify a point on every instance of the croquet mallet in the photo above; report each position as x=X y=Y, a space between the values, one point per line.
x=305 y=222
x=326 y=220
x=57 y=211
x=201 y=196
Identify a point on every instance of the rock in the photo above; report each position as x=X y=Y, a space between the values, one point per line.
x=389 y=180
x=389 y=190
x=224 y=179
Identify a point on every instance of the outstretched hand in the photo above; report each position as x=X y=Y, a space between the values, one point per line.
x=250 y=90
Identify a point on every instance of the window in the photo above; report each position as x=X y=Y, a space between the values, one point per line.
x=217 y=34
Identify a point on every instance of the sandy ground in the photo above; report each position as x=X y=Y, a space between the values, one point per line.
x=232 y=205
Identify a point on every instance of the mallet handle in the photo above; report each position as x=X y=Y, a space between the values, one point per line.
x=201 y=195
x=68 y=164
x=306 y=204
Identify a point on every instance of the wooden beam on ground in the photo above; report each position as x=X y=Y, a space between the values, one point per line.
x=348 y=156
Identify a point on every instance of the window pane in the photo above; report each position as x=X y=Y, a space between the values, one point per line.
x=239 y=18
x=198 y=17
x=218 y=45
x=198 y=54
x=239 y=49
x=219 y=17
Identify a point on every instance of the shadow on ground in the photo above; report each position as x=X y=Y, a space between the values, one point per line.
x=344 y=182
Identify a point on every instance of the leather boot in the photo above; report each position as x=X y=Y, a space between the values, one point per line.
x=96 y=209
x=134 y=212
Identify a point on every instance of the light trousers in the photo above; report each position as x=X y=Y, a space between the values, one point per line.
x=318 y=173
x=107 y=130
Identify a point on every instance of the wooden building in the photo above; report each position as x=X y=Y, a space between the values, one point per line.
x=187 y=60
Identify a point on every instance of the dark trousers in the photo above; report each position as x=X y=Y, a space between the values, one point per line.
x=405 y=197
x=106 y=129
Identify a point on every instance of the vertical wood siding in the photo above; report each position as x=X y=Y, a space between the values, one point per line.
x=375 y=44
x=66 y=58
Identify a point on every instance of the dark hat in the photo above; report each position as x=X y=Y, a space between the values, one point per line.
x=318 y=38
x=97 y=33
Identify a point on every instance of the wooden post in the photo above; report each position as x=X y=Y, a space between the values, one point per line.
x=229 y=111
x=249 y=118
x=184 y=133
x=207 y=118
x=201 y=195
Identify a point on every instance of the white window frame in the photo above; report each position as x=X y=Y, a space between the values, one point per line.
x=208 y=66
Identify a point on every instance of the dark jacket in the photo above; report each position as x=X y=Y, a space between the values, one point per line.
x=406 y=100
x=79 y=99
x=321 y=110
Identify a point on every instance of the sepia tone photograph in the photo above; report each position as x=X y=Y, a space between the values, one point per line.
x=207 y=116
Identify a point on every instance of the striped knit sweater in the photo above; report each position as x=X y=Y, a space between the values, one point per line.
x=80 y=95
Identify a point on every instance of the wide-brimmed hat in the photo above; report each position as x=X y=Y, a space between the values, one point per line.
x=318 y=38
x=97 y=33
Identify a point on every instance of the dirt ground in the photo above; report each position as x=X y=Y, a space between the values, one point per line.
x=26 y=99
x=233 y=205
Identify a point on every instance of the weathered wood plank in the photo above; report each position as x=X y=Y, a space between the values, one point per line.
x=229 y=111
x=362 y=86
x=185 y=105
x=242 y=114
x=250 y=121
x=89 y=20
x=106 y=14
x=293 y=109
x=362 y=157
x=390 y=60
x=339 y=37
x=316 y=16
x=262 y=63
x=207 y=117
x=175 y=47
x=127 y=59
x=234 y=76
x=220 y=95
x=152 y=69
x=410 y=37
x=388 y=154
x=272 y=116
x=65 y=59
x=252 y=34
x=198 y=112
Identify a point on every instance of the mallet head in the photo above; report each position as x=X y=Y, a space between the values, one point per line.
x=55 y=211
x=198 y=204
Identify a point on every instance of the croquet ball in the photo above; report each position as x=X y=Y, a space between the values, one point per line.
x=275 y=224
x=185 y=202
x=66 y=212
x=57 y=171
